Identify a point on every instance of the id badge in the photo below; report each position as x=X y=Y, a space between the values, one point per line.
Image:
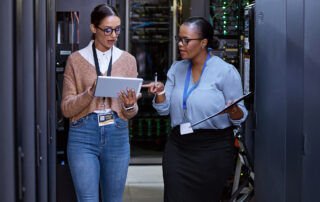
x=105 y=119
x=185 y=128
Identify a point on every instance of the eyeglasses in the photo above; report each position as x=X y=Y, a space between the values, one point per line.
x=184 y=41
x=108 y=31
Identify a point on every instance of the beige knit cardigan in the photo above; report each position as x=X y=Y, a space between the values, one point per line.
x=79 y=76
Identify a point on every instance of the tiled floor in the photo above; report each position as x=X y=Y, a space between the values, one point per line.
x=144 y=184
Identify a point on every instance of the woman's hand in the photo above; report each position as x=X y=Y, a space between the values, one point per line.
x=158 y=90
x=154 y=89
x=235 y=112
x=93 y=88
x=129 y=98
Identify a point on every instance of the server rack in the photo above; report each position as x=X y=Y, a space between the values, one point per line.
x=150 y=41
x=227 y=18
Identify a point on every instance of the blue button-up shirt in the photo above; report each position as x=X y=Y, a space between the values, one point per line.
x=219 y=83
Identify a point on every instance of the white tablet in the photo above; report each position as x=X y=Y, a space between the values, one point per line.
x=110 y=86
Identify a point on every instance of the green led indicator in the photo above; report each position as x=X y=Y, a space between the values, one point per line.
x=224 y=17
x=225 y=13
x=224 y=22
x=223 y=7
x=237 y=17
x=225 y=32
x=248 y=3
x=224 y=26
x=236 y=26
x=225 y=3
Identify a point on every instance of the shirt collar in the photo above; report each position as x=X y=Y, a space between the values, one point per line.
x=103 y=54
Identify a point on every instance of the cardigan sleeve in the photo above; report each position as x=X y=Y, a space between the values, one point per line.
x=73 y=102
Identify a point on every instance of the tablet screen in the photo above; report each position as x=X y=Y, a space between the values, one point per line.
x=109 y=86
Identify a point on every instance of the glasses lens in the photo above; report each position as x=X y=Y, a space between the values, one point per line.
x=117 y=30
x=108 y=31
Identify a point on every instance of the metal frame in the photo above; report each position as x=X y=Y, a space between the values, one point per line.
x=244 y=191
x=41 y=99
x=51 y=95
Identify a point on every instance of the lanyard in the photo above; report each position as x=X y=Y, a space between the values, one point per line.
x=97 y=63
x=186 y=93
x=98 y=67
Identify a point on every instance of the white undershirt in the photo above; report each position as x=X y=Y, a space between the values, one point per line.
x=103 y=59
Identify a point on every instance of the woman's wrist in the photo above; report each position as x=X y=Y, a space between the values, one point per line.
x=128 y=108
x=236 y=114
x=161 y=93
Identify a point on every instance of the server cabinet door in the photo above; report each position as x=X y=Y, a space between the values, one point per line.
x=25 y=100
x=311 y=164
x=41 y=100
x=270 y=100
x=7 y=158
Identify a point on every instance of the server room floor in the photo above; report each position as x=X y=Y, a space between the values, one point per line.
x=144 y=184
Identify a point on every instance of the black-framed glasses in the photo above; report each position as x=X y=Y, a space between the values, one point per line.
x=108 y=31
x=185 y=41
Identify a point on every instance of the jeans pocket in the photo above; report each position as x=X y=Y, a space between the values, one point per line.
x=120 y=123
x=78 y=123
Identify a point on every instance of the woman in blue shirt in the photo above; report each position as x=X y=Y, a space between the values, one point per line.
x=198 y=159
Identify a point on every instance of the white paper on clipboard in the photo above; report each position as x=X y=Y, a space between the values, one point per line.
x=110 y=86
x=217 y=113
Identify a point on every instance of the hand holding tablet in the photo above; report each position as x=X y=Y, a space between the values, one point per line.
x=108 y=86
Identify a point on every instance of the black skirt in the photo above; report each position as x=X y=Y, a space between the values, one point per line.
x=196 y=166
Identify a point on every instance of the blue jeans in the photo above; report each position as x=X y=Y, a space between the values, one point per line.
x=98 y=154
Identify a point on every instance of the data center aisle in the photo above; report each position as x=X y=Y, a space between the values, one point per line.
x=144 y=184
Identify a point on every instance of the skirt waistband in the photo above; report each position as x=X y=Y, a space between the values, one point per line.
x=203 y=139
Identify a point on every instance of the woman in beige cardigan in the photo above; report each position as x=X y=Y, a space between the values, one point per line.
x=98 y=144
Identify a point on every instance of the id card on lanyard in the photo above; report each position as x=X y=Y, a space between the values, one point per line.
x=103 y=119
x=185 y=128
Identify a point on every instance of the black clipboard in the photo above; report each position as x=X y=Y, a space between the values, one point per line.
x=217 y=113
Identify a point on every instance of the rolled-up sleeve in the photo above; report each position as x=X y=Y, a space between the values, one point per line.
x=163 y=108
x=232 y=90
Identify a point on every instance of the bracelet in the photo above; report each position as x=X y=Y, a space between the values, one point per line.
x=128 y=108
x=161 y=93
